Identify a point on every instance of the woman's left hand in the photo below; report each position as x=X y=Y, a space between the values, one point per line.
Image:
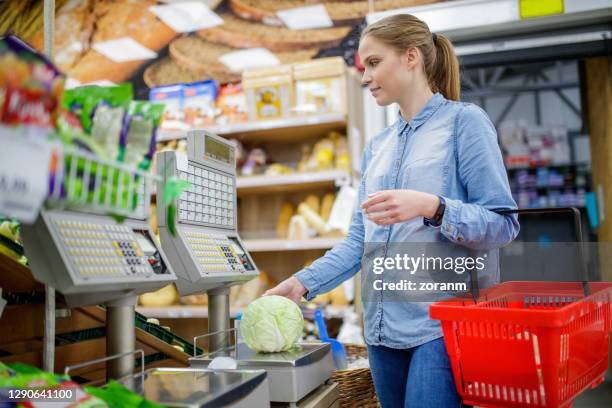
x=393 y=206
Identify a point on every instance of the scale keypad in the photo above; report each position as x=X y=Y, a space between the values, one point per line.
x=102 y=250
x=213 y=252
x=210 y=198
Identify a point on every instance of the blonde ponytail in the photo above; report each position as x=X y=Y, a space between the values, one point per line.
x=444 y=76
x=440 y=64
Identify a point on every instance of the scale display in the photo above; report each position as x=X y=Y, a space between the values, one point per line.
x=206 y=251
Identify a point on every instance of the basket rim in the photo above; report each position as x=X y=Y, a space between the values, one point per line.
x=460 y=309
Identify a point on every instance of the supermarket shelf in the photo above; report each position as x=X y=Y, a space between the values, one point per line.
x=290 y=129
x=15 y=277
x=272 y=245
x=189 y=312
x=291 y=182
x=179 y=312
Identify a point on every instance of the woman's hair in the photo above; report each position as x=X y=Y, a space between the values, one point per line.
x=404 y=31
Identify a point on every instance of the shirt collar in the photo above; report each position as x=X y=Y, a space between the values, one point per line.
x=430 y=107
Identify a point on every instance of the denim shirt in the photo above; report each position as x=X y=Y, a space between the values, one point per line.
x=449 y=149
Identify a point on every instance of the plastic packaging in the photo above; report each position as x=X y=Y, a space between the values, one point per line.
x=102 y=114
x=144 y=119
x=30 y=85
x=237 y=327
x=199 y=103
x=172 y=97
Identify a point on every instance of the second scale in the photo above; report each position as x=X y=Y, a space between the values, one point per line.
x=207 y=254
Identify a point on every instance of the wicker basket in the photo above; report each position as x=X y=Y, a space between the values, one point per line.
x=355 y=386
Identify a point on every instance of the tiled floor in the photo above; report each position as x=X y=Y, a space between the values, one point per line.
x=600 y=397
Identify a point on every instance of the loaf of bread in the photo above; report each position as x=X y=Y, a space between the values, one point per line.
x=74 y=24
x=167 y=71
x=341 y=13
x=239 y=33
x=80 y=24
x=284 y=217
x=197 y=54
x=121 y=19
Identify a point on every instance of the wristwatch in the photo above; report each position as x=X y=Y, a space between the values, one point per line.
x=436 y=220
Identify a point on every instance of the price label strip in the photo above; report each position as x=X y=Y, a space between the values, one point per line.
x=24 y=174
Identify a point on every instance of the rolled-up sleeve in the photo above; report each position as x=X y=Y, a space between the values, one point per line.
x=344 y=260
x=482 y=173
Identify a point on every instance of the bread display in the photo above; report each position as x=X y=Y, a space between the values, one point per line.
x=74 y=25
x=239 y=33
x=121 y=19
x=199 y=55
x=340 y=12
x=80 y=24
x=167 y=71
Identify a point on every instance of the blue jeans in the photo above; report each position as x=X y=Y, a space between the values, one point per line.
x=420 y=377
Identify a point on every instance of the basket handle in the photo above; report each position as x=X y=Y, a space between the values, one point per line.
x=475 y=291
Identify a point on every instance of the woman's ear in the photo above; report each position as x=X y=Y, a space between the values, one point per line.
x=411 y=57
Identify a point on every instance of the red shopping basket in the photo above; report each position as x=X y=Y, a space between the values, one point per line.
x=528 y=344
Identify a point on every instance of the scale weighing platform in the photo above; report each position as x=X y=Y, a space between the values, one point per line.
x=292 y=374
x=202 y=388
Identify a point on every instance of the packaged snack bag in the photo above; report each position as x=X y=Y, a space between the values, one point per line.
x=143 y=121
x=30 y=85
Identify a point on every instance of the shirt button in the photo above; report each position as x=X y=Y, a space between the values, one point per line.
x=449 y=228
x=459 y=239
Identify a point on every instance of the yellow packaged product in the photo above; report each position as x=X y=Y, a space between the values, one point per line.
x=269 y=92
x=165 y=296
x=313 y=219
x=322 y=157
x=320 y=86
x=298 y=228
x=284 y=217
x=313 y=202
x=326 y=205
x=338 y=296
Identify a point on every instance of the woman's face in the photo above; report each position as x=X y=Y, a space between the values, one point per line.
x=388 y=74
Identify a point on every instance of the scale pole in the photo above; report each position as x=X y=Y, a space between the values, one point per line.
x=120 y=337
x=49 y=333
x=218 y=318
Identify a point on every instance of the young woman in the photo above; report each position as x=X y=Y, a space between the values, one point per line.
x=433 y=176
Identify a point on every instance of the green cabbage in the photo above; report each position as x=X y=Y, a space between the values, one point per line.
x=271 y=324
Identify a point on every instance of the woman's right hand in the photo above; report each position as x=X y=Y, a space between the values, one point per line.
x=290 y=288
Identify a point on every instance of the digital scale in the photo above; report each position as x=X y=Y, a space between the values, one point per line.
x=292 y=374
x=207 y=255
x=91 y=258
x=206 y=252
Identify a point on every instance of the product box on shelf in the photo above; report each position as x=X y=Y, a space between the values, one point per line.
x=320 y=86
x=199 y=102
x=172 y=97
x=269 y=92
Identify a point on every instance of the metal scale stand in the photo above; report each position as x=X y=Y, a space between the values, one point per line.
x=89 y=257
x=208 y=255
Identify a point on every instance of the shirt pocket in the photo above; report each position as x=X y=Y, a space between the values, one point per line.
x=376 y=183
x=427 y=176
